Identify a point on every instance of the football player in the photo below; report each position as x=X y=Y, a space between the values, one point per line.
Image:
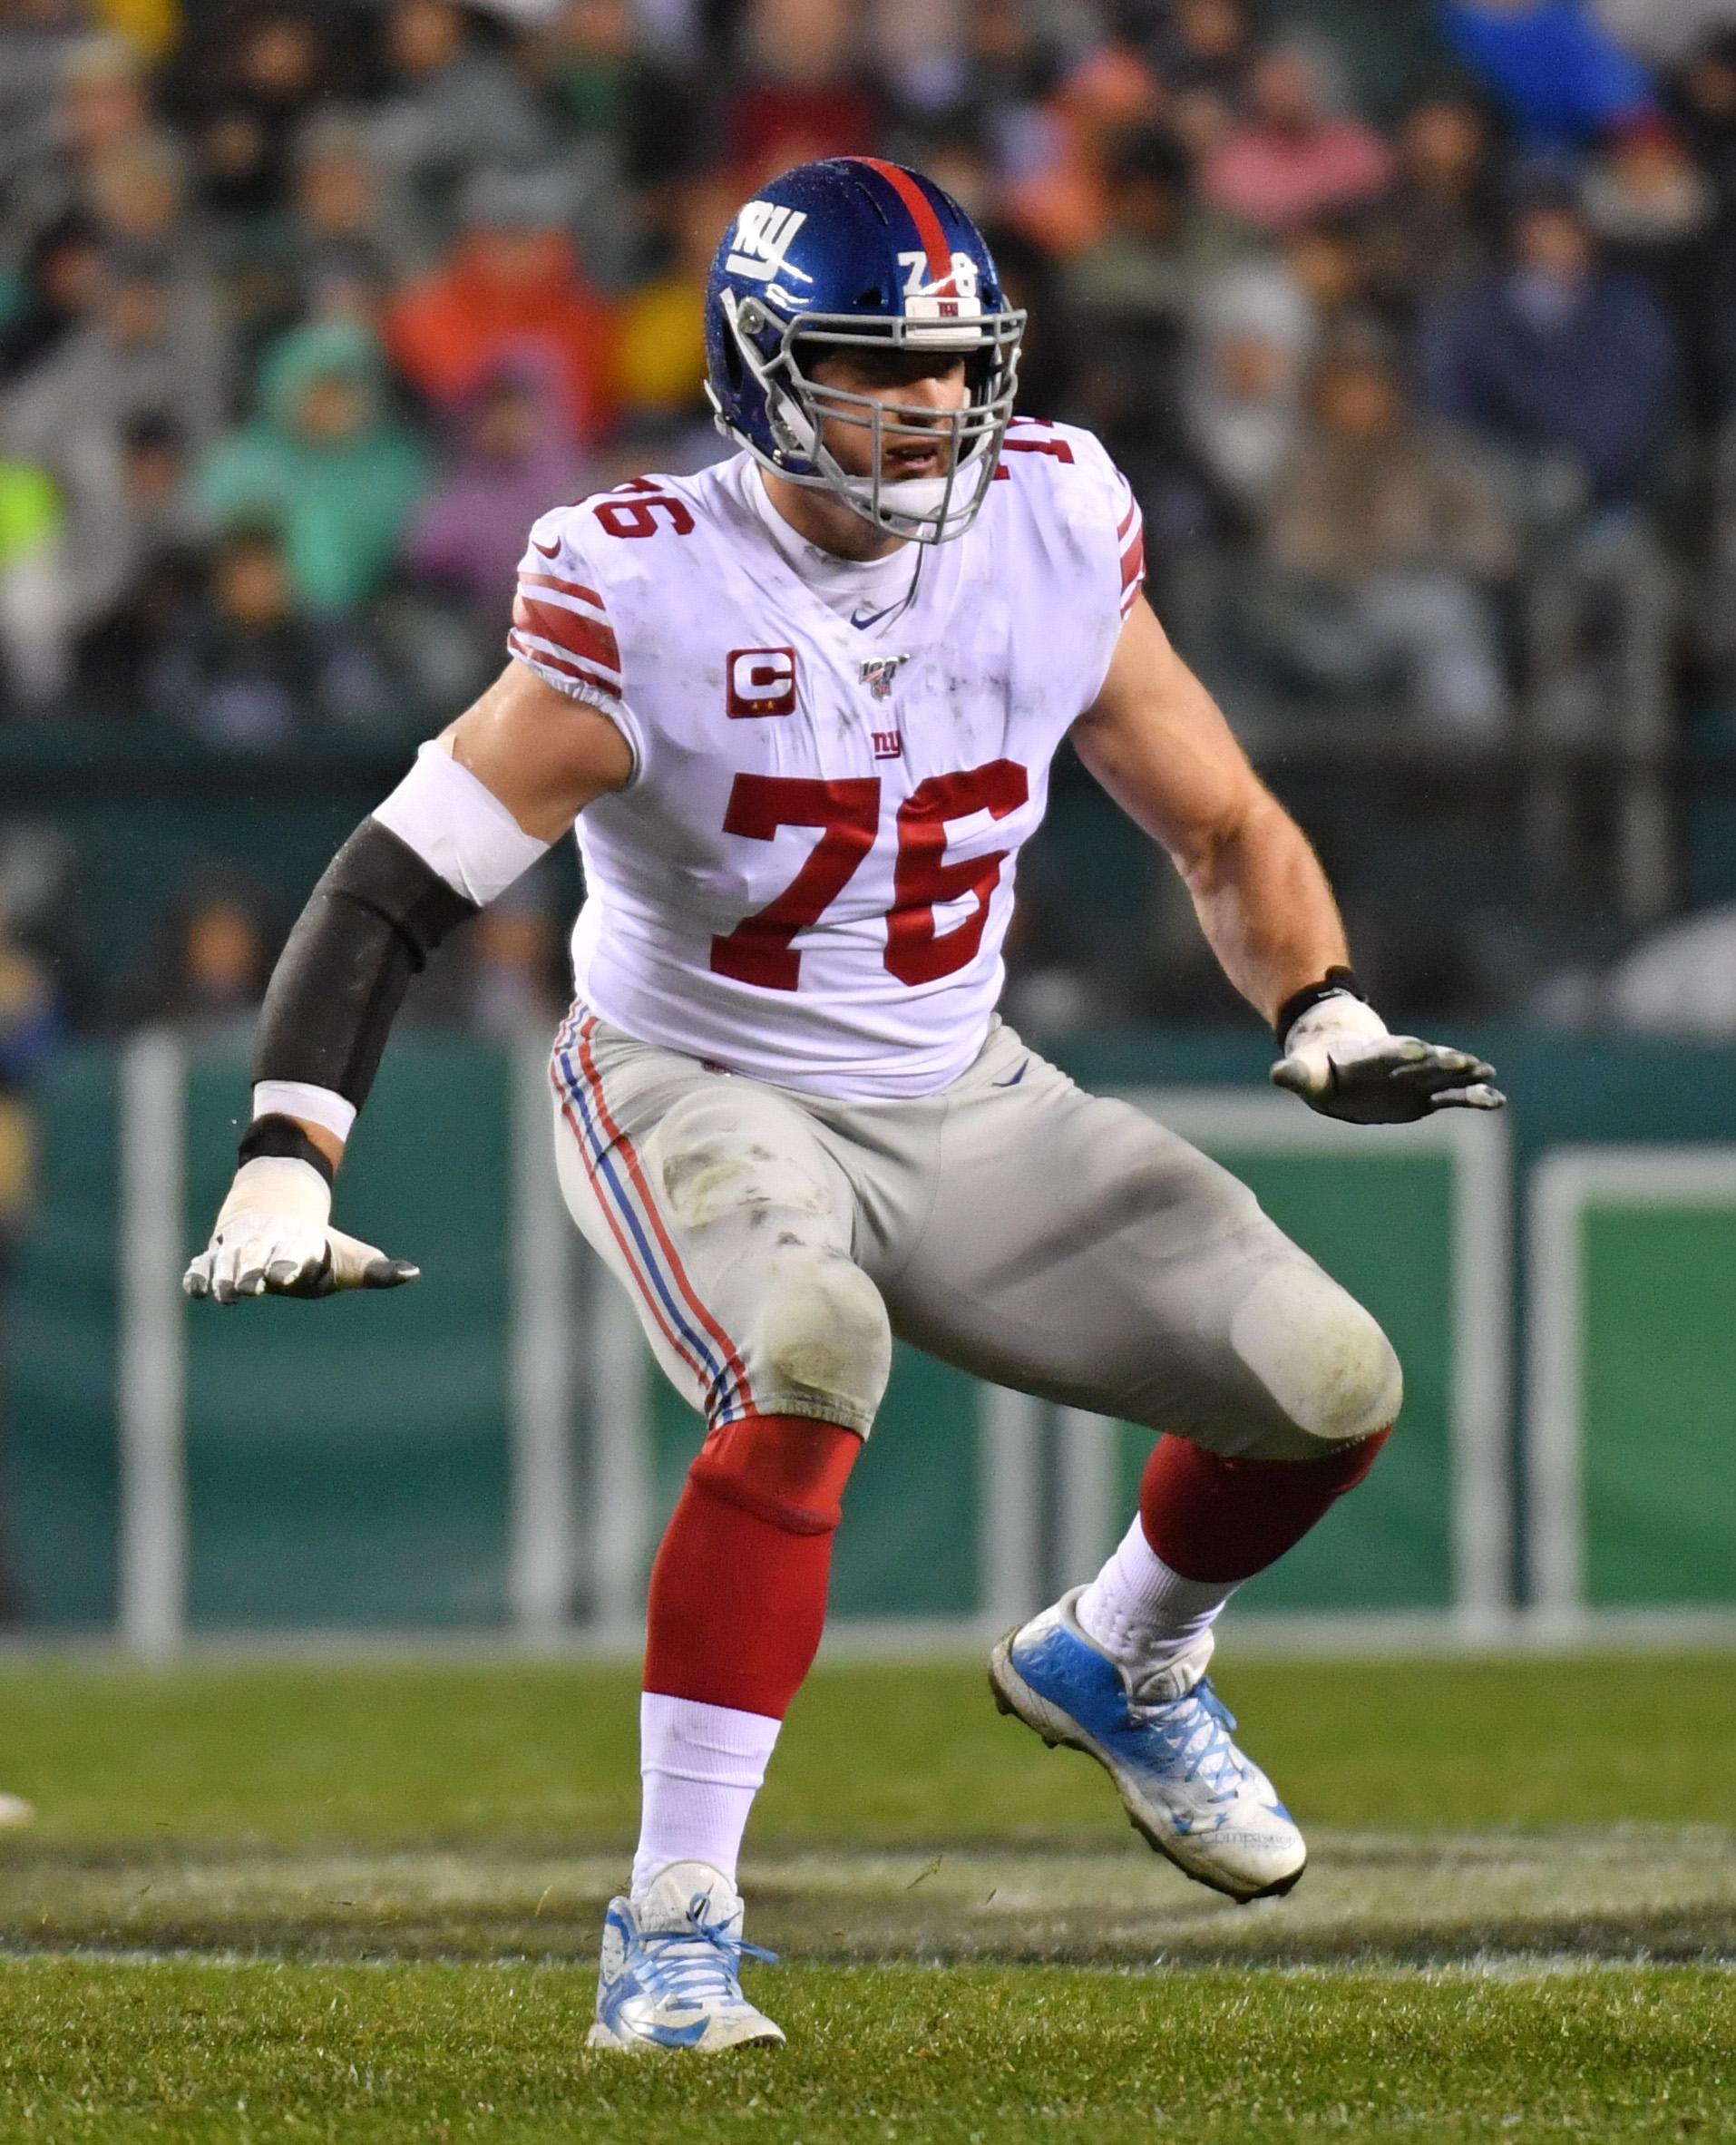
x=802 y=709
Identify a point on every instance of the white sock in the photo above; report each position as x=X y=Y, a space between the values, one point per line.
x=1143 y=1614
x=702 y=1765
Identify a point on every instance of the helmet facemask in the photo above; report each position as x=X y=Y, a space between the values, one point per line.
x=920 y=510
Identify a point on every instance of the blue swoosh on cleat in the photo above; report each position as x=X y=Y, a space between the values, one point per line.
x=676 y=2036
x=610 y=2011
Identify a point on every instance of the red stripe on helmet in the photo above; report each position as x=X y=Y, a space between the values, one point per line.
x=928 y=224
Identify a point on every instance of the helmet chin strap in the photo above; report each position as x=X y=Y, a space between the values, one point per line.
x=916 y=496
x=913 y=501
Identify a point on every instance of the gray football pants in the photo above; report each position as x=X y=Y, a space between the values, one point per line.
x=1057 y=1242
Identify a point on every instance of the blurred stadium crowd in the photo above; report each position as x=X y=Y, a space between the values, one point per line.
x=1412 y=321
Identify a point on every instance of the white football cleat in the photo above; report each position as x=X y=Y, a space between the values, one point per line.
x=670 y=1975
x=1164 y=1741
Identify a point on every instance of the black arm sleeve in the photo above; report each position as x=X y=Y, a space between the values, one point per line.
x=370 y=924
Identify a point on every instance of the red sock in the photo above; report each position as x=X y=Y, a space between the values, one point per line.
x=738 y=1588
x=1211 y=1518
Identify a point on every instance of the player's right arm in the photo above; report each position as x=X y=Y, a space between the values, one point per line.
x=483 y=802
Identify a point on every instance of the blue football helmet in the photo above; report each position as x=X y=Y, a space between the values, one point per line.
x=840 y=253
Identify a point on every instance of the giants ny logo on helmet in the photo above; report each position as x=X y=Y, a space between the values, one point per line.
x=765 y=232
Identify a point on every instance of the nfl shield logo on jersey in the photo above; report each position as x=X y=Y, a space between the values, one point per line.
x=879 y=672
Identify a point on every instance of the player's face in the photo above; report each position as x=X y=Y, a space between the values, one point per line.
x=922 y=387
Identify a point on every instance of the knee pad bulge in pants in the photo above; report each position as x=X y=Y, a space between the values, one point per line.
x=813 y=1328
x=1321 y=1356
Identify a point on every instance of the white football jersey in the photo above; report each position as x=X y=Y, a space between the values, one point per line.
x=810 y=875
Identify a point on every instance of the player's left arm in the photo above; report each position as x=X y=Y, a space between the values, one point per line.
x=1158 y=743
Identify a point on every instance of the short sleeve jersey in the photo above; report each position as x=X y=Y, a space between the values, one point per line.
x=810 y=874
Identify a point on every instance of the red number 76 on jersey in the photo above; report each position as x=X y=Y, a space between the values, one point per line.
x=760 y=949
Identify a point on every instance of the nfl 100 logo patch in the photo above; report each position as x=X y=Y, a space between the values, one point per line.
x=878 y=673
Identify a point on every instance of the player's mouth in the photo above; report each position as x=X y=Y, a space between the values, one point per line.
x=916 y=458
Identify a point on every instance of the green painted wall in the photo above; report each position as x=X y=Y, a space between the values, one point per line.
x=1659 y=1404
x=59 y=1415
x=347 y=1461
x=1383 y=1227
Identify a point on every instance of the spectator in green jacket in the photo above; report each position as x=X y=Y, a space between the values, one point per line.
x=34 y=628
x=323 y=461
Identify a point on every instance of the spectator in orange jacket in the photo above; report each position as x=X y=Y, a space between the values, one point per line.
x=514 y=287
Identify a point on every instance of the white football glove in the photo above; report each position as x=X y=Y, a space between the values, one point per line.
x=274 y=1237
x=1343 y=1060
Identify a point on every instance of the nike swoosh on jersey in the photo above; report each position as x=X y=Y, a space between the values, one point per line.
x=874 y=616
x=549 y=551
x=1016 y=1079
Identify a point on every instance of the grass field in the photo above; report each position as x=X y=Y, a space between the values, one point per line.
x=362 y=1902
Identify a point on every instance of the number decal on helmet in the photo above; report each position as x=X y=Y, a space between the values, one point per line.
x=963 y=278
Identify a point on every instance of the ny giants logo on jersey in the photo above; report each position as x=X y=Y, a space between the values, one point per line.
x=761 y=681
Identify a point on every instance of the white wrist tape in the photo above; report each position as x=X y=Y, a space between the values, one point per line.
x=311 y=1105
x=279 y=1186
x=458 y=826
x=1341 y=1019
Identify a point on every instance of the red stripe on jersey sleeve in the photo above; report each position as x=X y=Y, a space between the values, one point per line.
x=518 y=645
x=561 y=588
x=587 y=639
x=1133 y=569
